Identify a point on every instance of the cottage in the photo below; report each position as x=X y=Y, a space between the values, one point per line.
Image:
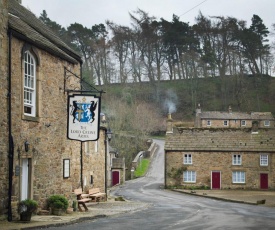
x=231 y=119
x=37 y=159
x=220 y=158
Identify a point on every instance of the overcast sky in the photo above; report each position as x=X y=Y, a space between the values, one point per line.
x=91 y=12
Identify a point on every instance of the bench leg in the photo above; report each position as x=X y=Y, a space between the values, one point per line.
x=84 y=206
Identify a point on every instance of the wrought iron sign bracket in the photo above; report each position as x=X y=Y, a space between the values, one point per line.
x=76 y=85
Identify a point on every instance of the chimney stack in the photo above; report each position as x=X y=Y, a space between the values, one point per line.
x=169 y=124
x=229 y=109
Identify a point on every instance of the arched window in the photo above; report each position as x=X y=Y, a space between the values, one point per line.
x=29 y=84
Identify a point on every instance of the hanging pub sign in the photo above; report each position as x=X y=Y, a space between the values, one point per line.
x=83 y=117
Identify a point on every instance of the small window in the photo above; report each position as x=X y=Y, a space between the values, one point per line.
x=236 y=159
x=243 y=122
x=264 y=160
x=225 y=123
x=189 y=176
x=187 y=159
x=29 y=84
x=66 y=168
x=238 y=177
x=96 y=146
x=208 y=123
x=267 y=123
x=87 y=147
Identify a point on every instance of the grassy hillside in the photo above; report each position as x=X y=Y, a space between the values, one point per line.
x=243 y=93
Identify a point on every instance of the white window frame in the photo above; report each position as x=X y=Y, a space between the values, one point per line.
x=96 y=146
x=208 y=122
x=243 y=122
x=189 y=176
x=236 y=159
x=225 y=123
x=87 y=147
x=267 y=123
x=187 y=158
x=238 y=177
x=29 y=84
x=263 y=160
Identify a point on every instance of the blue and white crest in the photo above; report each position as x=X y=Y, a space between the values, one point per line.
x=83 y=112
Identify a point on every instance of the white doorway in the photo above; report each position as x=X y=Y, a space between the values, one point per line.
x=25 y=172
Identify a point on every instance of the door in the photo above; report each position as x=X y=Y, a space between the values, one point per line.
x=216 y=180
x=264 y=181
x=115 y=177
x=25 y=179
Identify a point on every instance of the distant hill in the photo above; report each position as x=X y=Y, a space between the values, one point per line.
x=242 y=93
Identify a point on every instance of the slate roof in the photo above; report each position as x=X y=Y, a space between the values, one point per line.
x=236 y=115
x=221 y=140
x=26 y=26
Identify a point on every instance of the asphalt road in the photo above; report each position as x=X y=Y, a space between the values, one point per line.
x=171 y=210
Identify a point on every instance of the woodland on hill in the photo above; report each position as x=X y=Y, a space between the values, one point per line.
x=156 y=66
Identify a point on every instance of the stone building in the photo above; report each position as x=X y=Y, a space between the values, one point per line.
x=220 y=158
x=232 y=119
x=36 y=158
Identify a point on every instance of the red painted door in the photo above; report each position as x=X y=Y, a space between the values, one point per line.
x=216 y=180
x=115 y=176
x=264 y=181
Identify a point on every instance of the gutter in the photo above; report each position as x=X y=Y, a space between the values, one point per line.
x=11 y=144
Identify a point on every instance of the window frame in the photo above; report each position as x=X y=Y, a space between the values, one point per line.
x=208 y=122
x=189 y=176
x=239 y=178
x=266 y=123
x=242 y=123
x=187 y=159
x=238 y=160
x=225 y=123
x=263 y=160
x=29 y=84
x=66 y=168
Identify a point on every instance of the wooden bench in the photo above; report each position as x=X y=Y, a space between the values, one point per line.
x=96 y=195
x=82 y=199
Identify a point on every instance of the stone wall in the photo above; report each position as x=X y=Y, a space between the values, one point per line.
x=3 y=95
x=203 y=163
x=220 y=123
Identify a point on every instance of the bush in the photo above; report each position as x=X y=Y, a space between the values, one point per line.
x=27 y=206
x=58 y=202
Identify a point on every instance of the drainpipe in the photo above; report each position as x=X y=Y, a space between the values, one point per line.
x=11 y=145
x=106 y=150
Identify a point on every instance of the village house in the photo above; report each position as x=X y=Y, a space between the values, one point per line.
x=232 y=119
x=37 y=159
x=218 y=158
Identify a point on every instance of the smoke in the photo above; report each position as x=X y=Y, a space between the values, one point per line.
x=171 y=101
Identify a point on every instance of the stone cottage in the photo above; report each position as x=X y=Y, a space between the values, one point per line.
x=36 y=158
x=232 y=119
x=220 y=158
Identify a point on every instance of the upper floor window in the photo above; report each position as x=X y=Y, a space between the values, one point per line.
x=264 y=160
x=208 y=123
x=29 y=84
x=236 y=159
x=267 y=123
x=225 y=123
x=187 y=159
x=243 y=123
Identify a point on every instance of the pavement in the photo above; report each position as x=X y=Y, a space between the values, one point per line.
x=112 y=207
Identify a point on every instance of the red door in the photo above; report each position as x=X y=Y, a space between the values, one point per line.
x=216 y=180
x=264 y=181
x=115 y=176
